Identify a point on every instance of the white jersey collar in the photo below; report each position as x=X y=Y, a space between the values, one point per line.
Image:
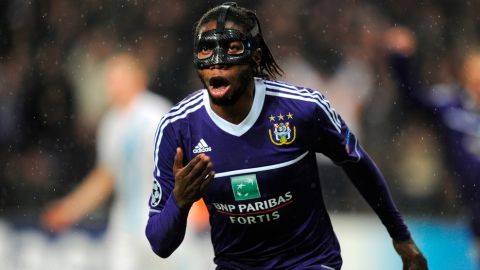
x=239 y=129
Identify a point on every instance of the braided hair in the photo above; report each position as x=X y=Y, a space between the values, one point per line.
x=247 y=19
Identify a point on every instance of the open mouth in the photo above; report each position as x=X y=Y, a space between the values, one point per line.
x=219 y=82
x=218 y=87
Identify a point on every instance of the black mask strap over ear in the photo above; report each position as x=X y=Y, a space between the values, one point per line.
x=256 y=29
x=222 y=16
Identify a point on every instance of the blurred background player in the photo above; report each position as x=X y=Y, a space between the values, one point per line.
x=455 y=108
x=123 y=166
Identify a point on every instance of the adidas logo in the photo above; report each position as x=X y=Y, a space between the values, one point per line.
x=202 y=147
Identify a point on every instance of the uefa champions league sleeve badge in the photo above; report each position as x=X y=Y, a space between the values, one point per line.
x=156 y=194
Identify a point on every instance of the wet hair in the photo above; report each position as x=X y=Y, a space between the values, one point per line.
x=247 y=19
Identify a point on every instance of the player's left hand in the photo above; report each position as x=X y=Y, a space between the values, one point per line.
x=412 y=257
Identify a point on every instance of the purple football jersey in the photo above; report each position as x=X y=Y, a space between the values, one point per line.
x=265 y=203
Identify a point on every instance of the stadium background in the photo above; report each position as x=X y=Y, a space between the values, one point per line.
x=51 y=98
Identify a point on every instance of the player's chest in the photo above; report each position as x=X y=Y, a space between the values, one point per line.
x=276 y=137
x=262 y=162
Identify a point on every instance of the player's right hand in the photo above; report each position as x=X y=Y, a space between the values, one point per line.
x=192 y=180
x=56 y=218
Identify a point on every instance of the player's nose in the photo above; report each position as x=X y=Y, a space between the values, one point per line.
x=218 y=66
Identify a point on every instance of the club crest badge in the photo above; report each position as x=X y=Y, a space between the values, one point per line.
x=283 y=132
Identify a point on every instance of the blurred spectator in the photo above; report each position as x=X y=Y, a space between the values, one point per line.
x=456 y=108
x=168 y=29
x=85 y=68
x=418 y=166
x=12 y=87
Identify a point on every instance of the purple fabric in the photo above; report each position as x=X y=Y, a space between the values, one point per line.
x=266 y=205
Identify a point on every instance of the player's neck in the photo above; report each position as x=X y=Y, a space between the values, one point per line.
x=125 y=102
x=236 y=112
x=472 y=97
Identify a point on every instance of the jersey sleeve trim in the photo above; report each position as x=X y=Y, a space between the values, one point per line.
x=358 y=155
x=280 y=86
x=309 y=96
x=178 y=112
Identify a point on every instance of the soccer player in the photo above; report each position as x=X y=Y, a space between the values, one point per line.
x=246 y=145
x=123 y=166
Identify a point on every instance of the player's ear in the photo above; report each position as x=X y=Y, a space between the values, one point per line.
x=257 y=56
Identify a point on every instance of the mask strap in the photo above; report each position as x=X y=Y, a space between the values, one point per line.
x=256 y=29
x=223 y=16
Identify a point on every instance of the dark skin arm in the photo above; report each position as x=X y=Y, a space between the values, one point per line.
x=412 y=257
x=192 y=180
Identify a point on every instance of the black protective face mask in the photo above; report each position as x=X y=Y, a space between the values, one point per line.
x=230 y=47
x=222 y=46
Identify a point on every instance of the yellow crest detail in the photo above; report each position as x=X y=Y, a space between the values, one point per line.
x=282 y=134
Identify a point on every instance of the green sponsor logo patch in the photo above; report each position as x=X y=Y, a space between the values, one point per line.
x=245 y=187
